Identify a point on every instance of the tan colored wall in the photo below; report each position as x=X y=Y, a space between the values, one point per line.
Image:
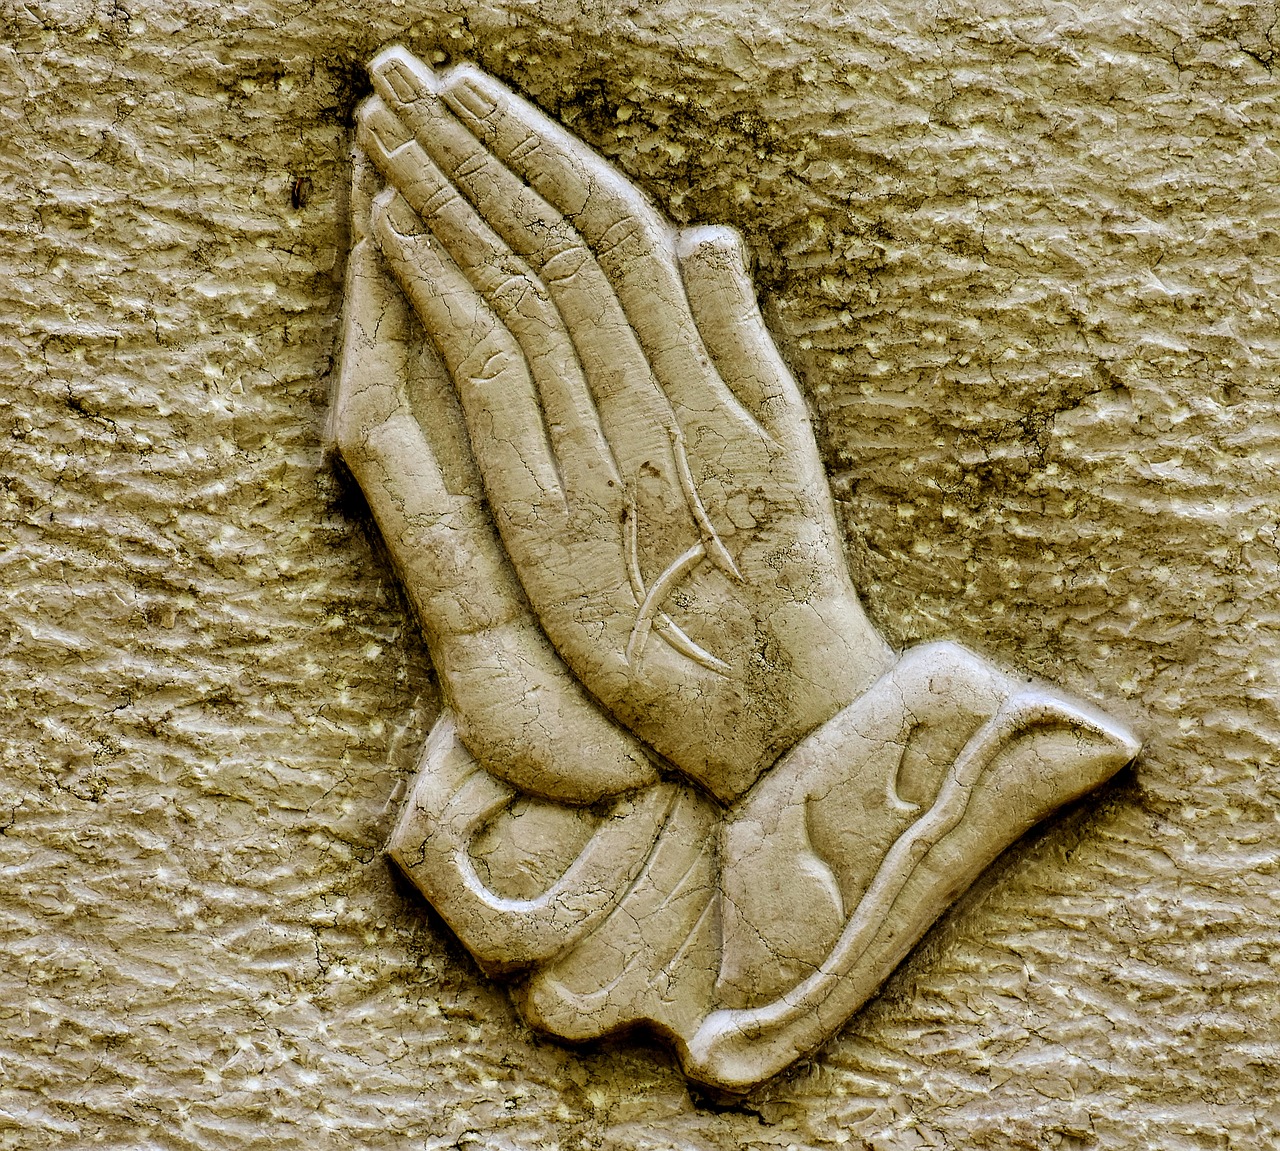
x=1024 y=260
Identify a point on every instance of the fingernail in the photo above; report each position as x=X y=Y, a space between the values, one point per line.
x=387 y=129
x=472 y=97
x=401 y=72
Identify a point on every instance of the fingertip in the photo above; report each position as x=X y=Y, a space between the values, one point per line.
x=716 y=244
x=398 y=74
x=382 y=128
x=469 y=90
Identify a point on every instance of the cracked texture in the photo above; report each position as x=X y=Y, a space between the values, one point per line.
x=1023 y=261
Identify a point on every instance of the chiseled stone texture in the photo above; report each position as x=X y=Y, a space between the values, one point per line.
x=1023 y=259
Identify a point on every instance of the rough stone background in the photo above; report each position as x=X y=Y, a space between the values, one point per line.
x=1023 y=256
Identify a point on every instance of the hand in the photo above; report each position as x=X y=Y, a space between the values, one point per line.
x=398 y=425
x=647 y=455
x=599 y=484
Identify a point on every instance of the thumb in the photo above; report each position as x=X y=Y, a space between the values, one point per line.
x=714 y=265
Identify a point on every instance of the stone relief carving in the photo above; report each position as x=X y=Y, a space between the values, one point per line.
x=679 y=779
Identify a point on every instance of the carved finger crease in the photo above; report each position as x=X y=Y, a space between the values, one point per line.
x=525 y=149
x=566 y=264
x=440 y=195
x=624 y=234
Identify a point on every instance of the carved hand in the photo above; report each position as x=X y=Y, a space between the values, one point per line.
x=599 y=484
x=646 y=454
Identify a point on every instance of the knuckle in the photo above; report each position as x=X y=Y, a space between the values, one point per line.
x=513 y=291
x=486 y=364
x=369 y=110
x=528 y=148
x=620 y=237
x=436 y=193
x=348 y=437
x=567 y=263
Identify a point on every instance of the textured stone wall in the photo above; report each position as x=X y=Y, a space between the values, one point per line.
x=1023 y=258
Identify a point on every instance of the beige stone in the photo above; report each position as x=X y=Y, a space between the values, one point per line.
x=1021 y=263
